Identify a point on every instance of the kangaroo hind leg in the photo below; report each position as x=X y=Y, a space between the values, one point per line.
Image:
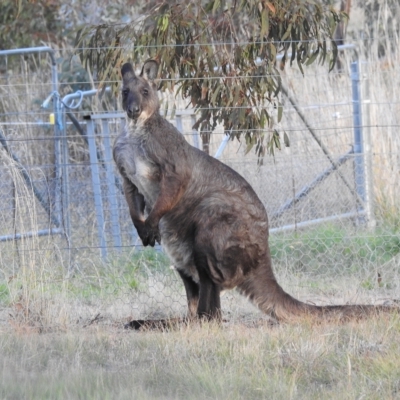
x=192 y=294
x=209 y=304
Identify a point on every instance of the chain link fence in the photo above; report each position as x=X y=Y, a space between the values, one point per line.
x=70 y=254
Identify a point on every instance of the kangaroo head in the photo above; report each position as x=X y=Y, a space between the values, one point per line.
x=139 y=93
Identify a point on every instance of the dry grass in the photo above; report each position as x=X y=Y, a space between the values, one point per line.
x=236 y=361
x=61 y=330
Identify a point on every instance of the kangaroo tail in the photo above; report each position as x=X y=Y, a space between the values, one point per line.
x=265 y=292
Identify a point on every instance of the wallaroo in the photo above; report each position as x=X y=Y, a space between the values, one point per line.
x=207 y=217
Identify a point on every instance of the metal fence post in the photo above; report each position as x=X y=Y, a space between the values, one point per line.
x=98 y=201
x=112 y=194
x=65 y=176
x=197 y=142
x=179 y=126
x=366 y=103
x=359 y=169
x=223 y=144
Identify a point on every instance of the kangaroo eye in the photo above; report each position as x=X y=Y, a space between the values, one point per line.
x=125 y=92
x=145 y=92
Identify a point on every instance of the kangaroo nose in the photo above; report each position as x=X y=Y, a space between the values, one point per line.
x=134 y=110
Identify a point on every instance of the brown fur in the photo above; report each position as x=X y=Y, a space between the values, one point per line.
x=208 y=218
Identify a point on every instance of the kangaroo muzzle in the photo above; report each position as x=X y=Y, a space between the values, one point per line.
x=134 y=110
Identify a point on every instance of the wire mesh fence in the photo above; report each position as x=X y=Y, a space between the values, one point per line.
x=69 y=252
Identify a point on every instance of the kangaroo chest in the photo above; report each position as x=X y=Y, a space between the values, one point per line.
x=133 y=162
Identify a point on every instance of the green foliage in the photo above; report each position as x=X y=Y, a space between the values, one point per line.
x=149 y=259
x=4 y=293
x=221 y=56
x=323 y=248
x=73 y=74
x=28 y=23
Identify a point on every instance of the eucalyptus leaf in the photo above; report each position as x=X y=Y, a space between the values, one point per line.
x=280 y=112
x=286 y=139
x=228 y=74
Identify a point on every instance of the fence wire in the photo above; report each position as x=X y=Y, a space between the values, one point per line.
x=61 y=264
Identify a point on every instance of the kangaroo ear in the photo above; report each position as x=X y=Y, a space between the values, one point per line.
x=149 y=70
x=127 y=71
